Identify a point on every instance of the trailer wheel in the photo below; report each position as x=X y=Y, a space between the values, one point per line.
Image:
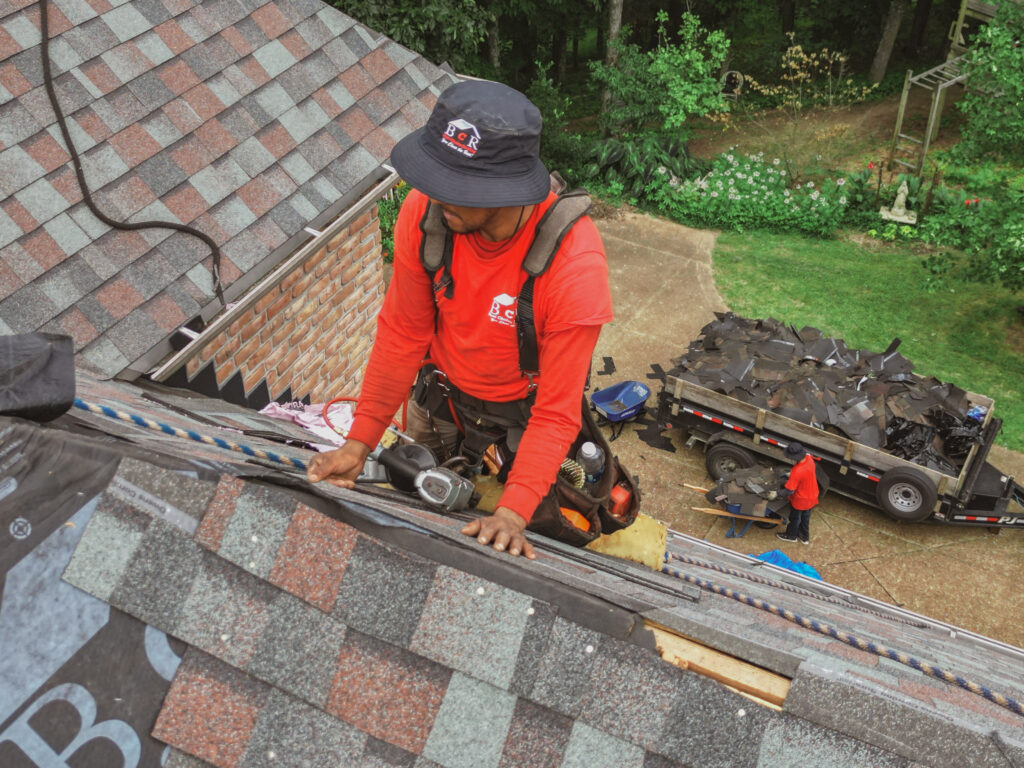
x=726 y=457
x=906 y=495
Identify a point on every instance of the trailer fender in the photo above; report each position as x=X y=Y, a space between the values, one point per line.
x=906 y=494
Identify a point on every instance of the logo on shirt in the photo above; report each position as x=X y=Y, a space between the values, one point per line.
x=503 y=310
x=461 y=136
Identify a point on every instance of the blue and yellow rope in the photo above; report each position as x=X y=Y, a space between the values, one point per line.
x=218 y=442
x=852 y=640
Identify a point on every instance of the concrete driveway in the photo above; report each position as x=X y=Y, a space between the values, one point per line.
x=664 y=293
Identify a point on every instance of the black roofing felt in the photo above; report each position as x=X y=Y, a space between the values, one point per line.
x=348 y=629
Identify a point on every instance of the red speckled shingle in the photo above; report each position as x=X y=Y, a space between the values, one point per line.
x=101 y=75
x=313 y=557
x=271 y=21
x=215 y=137
x=379 y=65
x=43 y=249
x=77 y=326
x=185 y=203
x=204 y=101
x=219 y=512
x=134 y=144
x=177 y=76
x=119 y=298
x=13 y=80
x=165 y=313
x=19 y=214
x=357 y=81
x=210 y=712
x=174 y=36
x=388 y=692
x=355 y=123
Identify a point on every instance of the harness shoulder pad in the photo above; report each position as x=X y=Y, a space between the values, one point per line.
x=552 y=229
x=435 y=238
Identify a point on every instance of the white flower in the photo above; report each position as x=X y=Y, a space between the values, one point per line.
x=815 y=194
x=842 y=201
x=662 y=170
x=714 y=194
x=783 y=173
x=840 y=182
x=775 y=161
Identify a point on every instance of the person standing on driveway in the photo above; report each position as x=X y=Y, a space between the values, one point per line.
x=802 y=491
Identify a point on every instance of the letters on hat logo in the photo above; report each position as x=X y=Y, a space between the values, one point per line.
x=461 y=136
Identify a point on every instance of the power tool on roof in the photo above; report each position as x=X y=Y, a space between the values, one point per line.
x=412 y=468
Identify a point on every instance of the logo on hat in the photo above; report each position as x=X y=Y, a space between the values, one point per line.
x=461 y=136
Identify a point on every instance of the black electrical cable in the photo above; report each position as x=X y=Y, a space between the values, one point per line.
x=218 y=287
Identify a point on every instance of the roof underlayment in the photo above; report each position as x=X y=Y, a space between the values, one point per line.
x=165 y=599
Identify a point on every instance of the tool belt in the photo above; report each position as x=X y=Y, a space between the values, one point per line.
x=485 y=423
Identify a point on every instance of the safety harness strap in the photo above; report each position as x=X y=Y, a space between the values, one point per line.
x=436 y=247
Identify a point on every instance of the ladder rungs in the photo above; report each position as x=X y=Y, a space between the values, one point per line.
x=903 y=162
x=911 y=138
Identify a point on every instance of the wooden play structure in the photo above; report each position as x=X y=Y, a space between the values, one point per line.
x=908 y=150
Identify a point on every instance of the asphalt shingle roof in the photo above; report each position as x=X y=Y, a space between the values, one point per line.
x=344 y=627
x=246 y=119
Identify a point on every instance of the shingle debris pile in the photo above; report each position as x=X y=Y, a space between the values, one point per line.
x=873 y=398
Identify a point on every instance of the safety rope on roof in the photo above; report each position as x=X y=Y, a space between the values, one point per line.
x=142 y=421
x=791 y=588
x=853 y=640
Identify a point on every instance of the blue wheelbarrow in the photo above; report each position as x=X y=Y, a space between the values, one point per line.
x=619 y=403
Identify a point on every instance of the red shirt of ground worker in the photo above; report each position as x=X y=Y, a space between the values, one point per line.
x=803 y=483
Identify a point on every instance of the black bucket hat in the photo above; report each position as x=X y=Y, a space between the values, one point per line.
x=480 y=148
x=795 y=450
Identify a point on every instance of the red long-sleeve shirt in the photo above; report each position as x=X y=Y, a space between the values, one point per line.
x=476 y=345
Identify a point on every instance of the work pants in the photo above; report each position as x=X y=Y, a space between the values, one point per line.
x=799 y=523
x=439 y=435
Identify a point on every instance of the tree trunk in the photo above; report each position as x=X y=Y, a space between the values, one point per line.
x=611 y=55
x=558 y=48
x=787 y=15
x=920 y=25
x=494 y=46
x=890 y=30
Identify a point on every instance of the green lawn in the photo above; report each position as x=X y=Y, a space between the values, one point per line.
x=970 y=335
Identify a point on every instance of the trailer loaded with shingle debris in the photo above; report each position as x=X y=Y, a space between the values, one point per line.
x=911 y=445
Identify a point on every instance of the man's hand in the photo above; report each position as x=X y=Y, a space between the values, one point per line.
x=341 y=466
x=505 y=528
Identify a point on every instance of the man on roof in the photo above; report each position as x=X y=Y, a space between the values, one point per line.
x=477 y=160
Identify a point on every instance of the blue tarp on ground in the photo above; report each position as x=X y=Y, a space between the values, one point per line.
x=781 y=559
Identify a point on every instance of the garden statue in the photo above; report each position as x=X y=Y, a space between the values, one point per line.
x=899 y=211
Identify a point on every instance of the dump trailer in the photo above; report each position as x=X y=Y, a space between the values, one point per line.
x=738 y=434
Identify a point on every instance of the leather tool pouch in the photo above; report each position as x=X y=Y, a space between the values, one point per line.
x=592 y=507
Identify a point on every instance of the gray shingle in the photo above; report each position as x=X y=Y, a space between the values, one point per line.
x=335 y=21
x=154 y=48
x=149 y=275
x=223 y=89
x=359 y=40
x=536 y=736
x=126 y=22
x=135 y=334
x=563 y=672
x=9 y=231
x=250 y=30
x=25 y=33
x=297 y=166
x=63 y=57
x=154 y=11
x=274 y=58
x=383 y=591
x=209 y=57
x=17 y=170
x=298 y=651
x=252 y=156
x=161 y=173
x=76 y=12
x=90 y=38
x=42 y=201
x=28 y=310
x=297 y=82
x=470 y=728
x=256 y=529
x=107 y=547
x=340 y=94
x=233 y=215
x=102 y=165
x=541 y=619
x=287 y=218
x=146 y=590
x=16 y=123
x=314 y=32
x=104 y=356
x=303 y=120
x=339 y=52
x=790 y=742
x=150 y=90
x=289 y=732
x=273 y=100
x=160 y=127
x=590 y=748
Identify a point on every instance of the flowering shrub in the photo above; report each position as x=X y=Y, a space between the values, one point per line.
x=750 y=191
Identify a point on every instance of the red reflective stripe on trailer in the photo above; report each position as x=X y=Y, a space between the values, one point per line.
x=976 y=519
x=769 y=440
x=738 y=429
x=869 y=477
x=717 y=421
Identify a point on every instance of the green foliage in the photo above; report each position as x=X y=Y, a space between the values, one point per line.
x=993 y=102
x=626 y=167
x=442 y=30
x=560 y=149
x=661 y=88
x=750 y=192
x=688 y=70
x=387 y=214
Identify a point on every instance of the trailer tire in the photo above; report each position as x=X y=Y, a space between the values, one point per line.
x=725 y=457
x=906 y=495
